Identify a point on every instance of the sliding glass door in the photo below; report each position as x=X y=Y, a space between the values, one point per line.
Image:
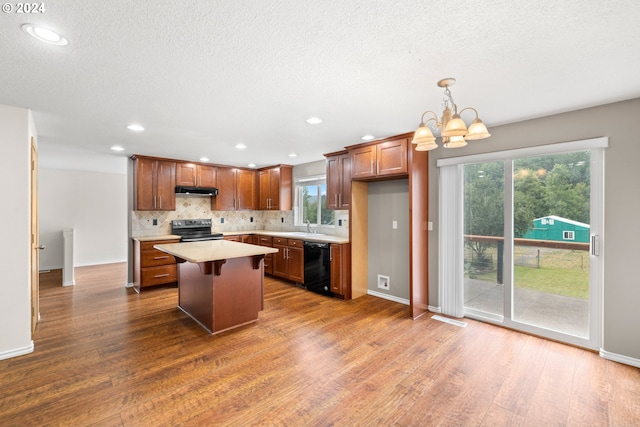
x=529 y=238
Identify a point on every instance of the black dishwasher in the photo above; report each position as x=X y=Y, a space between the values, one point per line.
x=317 y=267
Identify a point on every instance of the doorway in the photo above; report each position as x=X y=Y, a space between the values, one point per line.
x=531 y=223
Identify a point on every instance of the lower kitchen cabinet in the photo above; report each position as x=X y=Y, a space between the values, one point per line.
x=288 y=263
x=152 y=267
x=268 y=259
x=340 y=258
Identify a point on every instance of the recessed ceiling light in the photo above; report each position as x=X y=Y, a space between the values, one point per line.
x=314 y=120
x=117 y=148
x=367 y=137
x=135 y=127
x=46 y=35
x=293 y=155
x=240 y=146
x=252 y=165
x=204 y=159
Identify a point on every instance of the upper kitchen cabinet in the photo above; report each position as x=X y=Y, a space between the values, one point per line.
x=338 y=180
x=195 y=175
x=154 y=184
x=236 y=190
x=275 y=188
x=380 y=160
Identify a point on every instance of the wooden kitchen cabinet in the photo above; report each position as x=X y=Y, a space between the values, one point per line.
x=338 y=180
x=275 y=188
x=268 y=259
x=195 y=175
x=154 y=184
x=340 y=267
x=241 y=238
x=380 y=160
x=152 y=267
x=236 y=190
x=288 y=263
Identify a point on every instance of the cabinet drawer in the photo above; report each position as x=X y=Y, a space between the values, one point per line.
x=294 y=243
x=154 y=257
x=265 y=240
x=148 y=246
x=159 y=275
x=280 y=241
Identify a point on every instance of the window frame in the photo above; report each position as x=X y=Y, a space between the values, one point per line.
x=306 y=181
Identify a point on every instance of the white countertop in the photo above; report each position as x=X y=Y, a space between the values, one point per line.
x=213 y=250
x=311 y=237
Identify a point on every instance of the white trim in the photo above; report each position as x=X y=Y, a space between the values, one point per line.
x=539 y=150
x=17 y=352
x=389 y=297
x=619 y=358
x=434 y=309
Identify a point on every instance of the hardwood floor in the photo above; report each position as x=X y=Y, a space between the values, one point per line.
x=106 y=356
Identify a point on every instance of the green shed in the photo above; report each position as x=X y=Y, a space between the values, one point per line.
x=559 y=229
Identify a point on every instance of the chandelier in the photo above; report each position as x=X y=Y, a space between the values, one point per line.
x=454 y=131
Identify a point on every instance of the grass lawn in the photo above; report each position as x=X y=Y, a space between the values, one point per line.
x=561 y=272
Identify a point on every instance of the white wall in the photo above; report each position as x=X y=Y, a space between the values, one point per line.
x=16 y=130
x=94 y=204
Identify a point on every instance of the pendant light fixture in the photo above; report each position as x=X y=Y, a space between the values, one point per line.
x=454 y=131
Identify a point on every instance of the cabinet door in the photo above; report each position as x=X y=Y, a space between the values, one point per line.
x=280 y=261
x=232 y=238
x=145 y=182
x=166 y=186
x=264 y=189
x=226 y=198
x=344 y=197
x=336 y=269
x=186 y=174
x=207 y=176
x=296 y=264
x=363 y=162
x=392 y=157
x=274 y=188
x=246 y=189
x=333 y=181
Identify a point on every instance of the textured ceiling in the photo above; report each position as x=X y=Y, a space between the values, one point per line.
x=202 y=76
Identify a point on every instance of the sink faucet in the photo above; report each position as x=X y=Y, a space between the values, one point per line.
x=308 y=227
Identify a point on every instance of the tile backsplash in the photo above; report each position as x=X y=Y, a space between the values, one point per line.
x=189 y=207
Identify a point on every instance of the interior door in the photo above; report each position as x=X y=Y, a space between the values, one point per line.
x=35 y=244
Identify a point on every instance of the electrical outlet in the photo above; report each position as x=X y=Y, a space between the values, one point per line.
x=250 y=219
x=155 y=221
x=394 y=225
x=383 y=282
x=221 y=220
x=339 y=223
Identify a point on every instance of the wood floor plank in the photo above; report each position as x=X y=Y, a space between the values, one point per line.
x=108 y=356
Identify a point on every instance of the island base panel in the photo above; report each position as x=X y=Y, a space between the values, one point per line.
x=225 y=301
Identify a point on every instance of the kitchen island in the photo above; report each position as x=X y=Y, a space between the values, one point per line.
x=220 y=283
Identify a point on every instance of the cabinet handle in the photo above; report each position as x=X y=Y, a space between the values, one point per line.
x=339 y=200
x=160 y=202
x=161 y=257
x=330 y=254
x=154 y=202
x=157 y=276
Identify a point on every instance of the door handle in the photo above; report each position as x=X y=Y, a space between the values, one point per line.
x=595 y=245
x=41 y=247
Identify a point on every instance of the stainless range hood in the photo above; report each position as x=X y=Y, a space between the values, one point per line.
x=196 y=191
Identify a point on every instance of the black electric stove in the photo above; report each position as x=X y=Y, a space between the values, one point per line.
x=194 y=230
